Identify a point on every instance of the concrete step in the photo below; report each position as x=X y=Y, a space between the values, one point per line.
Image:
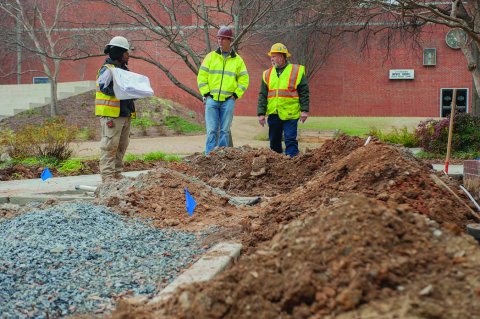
x=14 y=98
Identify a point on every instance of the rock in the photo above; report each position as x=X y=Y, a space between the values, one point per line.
x=4 y=157
x=426 y=291
x=383 y=196
x=349 y=298
x=171 y=222
x=219 y=182
x=260 y=172
x=184 y=300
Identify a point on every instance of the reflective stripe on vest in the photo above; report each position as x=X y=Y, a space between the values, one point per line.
x=282 y=92
x=106 y=105
x=221 y=77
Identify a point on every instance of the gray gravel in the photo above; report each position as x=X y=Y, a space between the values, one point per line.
x=80 y=258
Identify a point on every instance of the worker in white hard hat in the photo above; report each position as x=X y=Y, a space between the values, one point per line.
x=115 y=115
x=284 y=98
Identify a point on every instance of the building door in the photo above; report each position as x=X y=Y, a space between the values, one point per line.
x=446 y=101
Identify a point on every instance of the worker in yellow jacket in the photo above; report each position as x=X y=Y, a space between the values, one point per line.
x=284 y=97
x=115 y=115
x=222 y=79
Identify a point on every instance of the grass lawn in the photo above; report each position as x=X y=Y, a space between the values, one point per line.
x=360 y=126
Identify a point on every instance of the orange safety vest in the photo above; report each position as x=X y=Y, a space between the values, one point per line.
x=282 y=91
x=106 y=105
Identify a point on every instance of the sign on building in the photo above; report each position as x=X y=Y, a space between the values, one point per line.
x=402 y=74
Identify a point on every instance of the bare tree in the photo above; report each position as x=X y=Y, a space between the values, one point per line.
x=38 y=28
x=410 y=17
x=170 y=26
x=307 y=31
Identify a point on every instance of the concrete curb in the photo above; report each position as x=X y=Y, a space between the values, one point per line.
x=24 y=200
x=213 y=262
x=22 y=192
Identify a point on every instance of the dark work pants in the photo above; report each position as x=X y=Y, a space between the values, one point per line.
x=288 y=128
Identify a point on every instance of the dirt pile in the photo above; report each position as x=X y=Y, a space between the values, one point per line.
x=359 y=258
x=343 y=230
x=260 y=172
x=377 y=171
x=160 y=196
x=290 y=188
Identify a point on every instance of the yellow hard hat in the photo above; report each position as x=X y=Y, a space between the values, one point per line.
x=279 y=48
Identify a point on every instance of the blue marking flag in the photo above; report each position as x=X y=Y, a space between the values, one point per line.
x=46 y=174
x=190 y=203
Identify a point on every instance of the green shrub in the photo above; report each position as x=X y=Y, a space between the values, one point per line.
x=131 y=157
x=39 y=160
x=71 y=166
x=154 y=156
x=172 y=158
x=17 y=145
x=433 y=134
x=181 y=125
x=86 y=134
x=52 y=139
x=143 y=124
x=396 y=136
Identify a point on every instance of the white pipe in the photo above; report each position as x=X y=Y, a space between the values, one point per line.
x=85 y=188
x=470 y=196
x=368 y=140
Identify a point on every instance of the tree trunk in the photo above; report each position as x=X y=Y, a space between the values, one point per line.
x=53 y=97
x=475 y=97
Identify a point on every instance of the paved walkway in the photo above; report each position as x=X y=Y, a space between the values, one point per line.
x=63 y=188
x=452 y=169
x=245 y=131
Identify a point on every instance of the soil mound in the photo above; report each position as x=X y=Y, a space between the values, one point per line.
x=290 y=188
x=79 y=111
x=260 y=172
x=357 y=259
x=160 y=196
x=351 y=230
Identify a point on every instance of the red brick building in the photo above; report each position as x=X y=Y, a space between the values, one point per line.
x=413 y=82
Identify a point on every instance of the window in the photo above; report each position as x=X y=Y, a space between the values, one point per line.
x=446 y=96
x=429 y=57
x=40 y=80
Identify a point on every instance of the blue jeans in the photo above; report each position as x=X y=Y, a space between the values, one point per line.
x=218 y=115
x=288 y=128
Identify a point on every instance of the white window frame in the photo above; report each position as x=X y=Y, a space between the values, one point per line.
x=434 y=57
x=40 y=77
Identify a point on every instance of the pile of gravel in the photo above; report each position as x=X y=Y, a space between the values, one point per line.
x=80 y=258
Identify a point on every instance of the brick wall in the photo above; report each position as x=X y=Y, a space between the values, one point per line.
x=350 y=83
x=471 y=177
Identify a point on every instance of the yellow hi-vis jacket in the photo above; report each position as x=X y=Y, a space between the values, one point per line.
x=283 y=96
x=221 y=78
x=106 y=105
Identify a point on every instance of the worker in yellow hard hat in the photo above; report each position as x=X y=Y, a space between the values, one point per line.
x=284 y=98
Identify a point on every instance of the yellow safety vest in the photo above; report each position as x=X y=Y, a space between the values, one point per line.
x=282 y=91
x=106 y=105
x=222 y=77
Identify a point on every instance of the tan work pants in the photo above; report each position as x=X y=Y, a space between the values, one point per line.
x=113 y=145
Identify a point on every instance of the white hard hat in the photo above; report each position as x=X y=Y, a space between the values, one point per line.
x=120 y=42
